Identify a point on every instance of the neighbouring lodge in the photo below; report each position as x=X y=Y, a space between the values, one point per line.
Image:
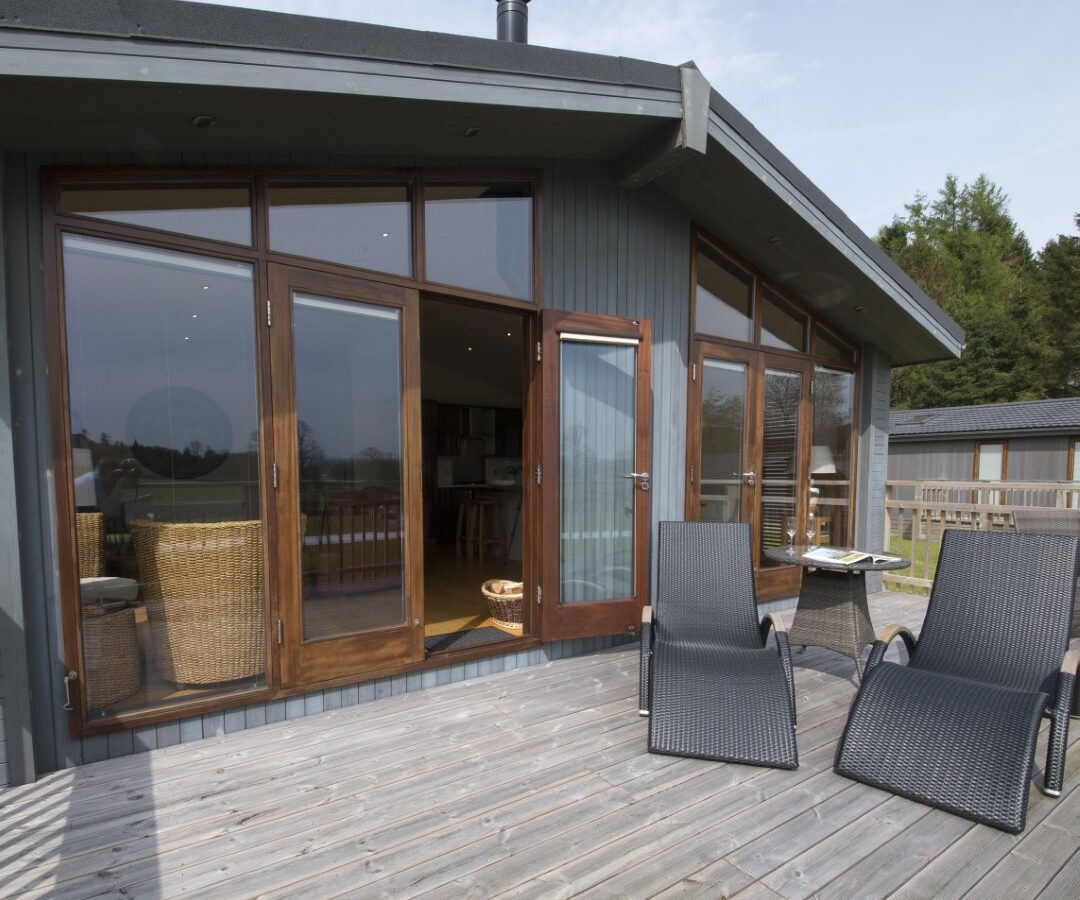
x=346 y=360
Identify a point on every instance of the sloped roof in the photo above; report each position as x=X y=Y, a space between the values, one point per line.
x=1044 y=416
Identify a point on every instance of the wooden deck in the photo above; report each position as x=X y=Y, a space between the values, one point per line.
x=529 y=783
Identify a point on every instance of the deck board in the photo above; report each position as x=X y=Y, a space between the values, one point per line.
x=529 y=783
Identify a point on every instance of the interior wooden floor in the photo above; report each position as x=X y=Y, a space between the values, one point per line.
x=452 y=598
x=530 y=783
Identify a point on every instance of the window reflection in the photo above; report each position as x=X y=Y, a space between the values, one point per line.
x=367 y=226
x=725 y=297
x=218 y=212
x=782 y=325
x=779 y=458
x=165 y=459
x=830 y=454
x=479 y=236
x=723 y=402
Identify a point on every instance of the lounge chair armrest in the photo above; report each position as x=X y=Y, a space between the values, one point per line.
x=771 y=620
x=881 y=643
x=645 y=664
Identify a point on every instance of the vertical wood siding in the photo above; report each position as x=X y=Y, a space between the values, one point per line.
x=873 y=455
x=1030 y=459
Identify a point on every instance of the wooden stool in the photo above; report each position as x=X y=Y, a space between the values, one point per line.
x=479 y=524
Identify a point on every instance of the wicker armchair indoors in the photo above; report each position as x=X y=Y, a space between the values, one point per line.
x=202 y=583
x=709 y=684
x=956 y=728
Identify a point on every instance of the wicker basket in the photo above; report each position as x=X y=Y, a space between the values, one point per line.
x=505 y=602
x=110 y=656
x=90 y=543
x=202 y=583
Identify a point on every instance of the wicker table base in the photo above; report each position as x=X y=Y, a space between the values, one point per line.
x=832 y=613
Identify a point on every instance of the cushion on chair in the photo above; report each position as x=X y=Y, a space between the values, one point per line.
x=963 y=746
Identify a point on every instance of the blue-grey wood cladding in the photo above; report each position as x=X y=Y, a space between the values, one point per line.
x=1042 y=458
x=873 y=455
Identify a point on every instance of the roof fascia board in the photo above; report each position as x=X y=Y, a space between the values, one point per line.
x=672 y=144
x=32 y=54
x=737 y=146
x=1061 y=431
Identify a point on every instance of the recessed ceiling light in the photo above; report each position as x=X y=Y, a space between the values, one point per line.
x=206 y=287
x=386 y=234
x=471 y=132
x=860 y=308
x=187 y=338
x=509 y=334
x=194 y=315
x=469 y=349
x=203 y=121
x=776 y=240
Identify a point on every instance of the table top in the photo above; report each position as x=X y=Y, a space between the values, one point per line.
x=794 y=556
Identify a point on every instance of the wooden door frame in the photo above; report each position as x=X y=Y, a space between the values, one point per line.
x=560 y=621
x=772 y=583
x=301 y=662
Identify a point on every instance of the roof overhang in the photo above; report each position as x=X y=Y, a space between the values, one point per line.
x=97 y=89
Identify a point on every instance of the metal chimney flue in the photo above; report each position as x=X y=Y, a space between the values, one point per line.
x=512 y=20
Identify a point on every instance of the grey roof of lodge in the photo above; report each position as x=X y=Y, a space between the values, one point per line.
x=992 y=418
x=199 y=23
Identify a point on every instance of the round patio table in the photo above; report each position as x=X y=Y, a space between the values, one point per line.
x=832 y=611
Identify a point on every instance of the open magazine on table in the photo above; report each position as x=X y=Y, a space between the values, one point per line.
x=836 y=557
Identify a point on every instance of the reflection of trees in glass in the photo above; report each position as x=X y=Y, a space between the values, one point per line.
x=311 y=457
x=833 y=416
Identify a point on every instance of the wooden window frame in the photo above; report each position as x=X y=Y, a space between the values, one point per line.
x=763 y=284
x=55 y=224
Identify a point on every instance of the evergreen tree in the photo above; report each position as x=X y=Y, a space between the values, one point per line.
x=965 y=251
x=1058 y=298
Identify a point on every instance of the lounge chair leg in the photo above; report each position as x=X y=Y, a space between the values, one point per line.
x=1054 y=773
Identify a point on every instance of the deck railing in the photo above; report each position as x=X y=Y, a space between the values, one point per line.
x=918 y=512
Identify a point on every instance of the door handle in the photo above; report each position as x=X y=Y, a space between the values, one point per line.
x=750 y=477
x=642 y=476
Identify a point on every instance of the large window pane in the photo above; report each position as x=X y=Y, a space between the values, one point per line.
x=367 y=226
x=723 y=413
x=348 y=410
x=724 y=304
x=830 y=455
x=596 y=425
x=780 y=457
x=221 y=212
x=165 y=456
x=479 y=236
x=832 y=346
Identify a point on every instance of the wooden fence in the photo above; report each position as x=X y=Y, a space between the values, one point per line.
x=918 y=512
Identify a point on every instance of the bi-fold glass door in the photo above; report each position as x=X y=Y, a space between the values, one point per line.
x=347 y=492
x=748 y=450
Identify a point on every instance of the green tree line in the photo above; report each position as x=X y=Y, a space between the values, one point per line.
x=1020 y=309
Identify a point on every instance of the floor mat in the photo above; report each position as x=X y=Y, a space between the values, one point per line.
x=460 y=640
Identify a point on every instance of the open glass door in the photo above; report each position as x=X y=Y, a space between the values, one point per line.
x=348 y=506
x=596 y=473
x=747 y=450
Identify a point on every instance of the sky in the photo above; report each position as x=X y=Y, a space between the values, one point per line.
x=875 y=101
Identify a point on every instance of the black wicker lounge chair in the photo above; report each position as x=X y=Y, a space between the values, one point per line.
x=709 y=684
x=956 y=727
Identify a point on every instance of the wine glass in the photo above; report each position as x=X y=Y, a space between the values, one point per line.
x=810 y=531
x=791 y=537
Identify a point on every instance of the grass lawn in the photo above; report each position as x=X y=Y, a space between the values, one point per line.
x=902 y=547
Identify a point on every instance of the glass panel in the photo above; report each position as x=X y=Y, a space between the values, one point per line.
x=479 y=236
x=991 y=457
x=596 y=428
x=348 y=410
x=830 y=346
x=218 y=212
x=830 y=455
x=725 y=297
x=779 y=462
x=367 y=226
x=165 y=456
x=723 y=409
x=782 y=325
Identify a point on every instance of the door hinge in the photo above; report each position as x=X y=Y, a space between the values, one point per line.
x=269 y=321
x=693 y=372
x=539 y=351
x=691 y=474
x=274 y=474
x=539 y=475
x=539 y=595
x=280 y=632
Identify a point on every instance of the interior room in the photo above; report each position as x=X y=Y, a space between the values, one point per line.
x=472 y=361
